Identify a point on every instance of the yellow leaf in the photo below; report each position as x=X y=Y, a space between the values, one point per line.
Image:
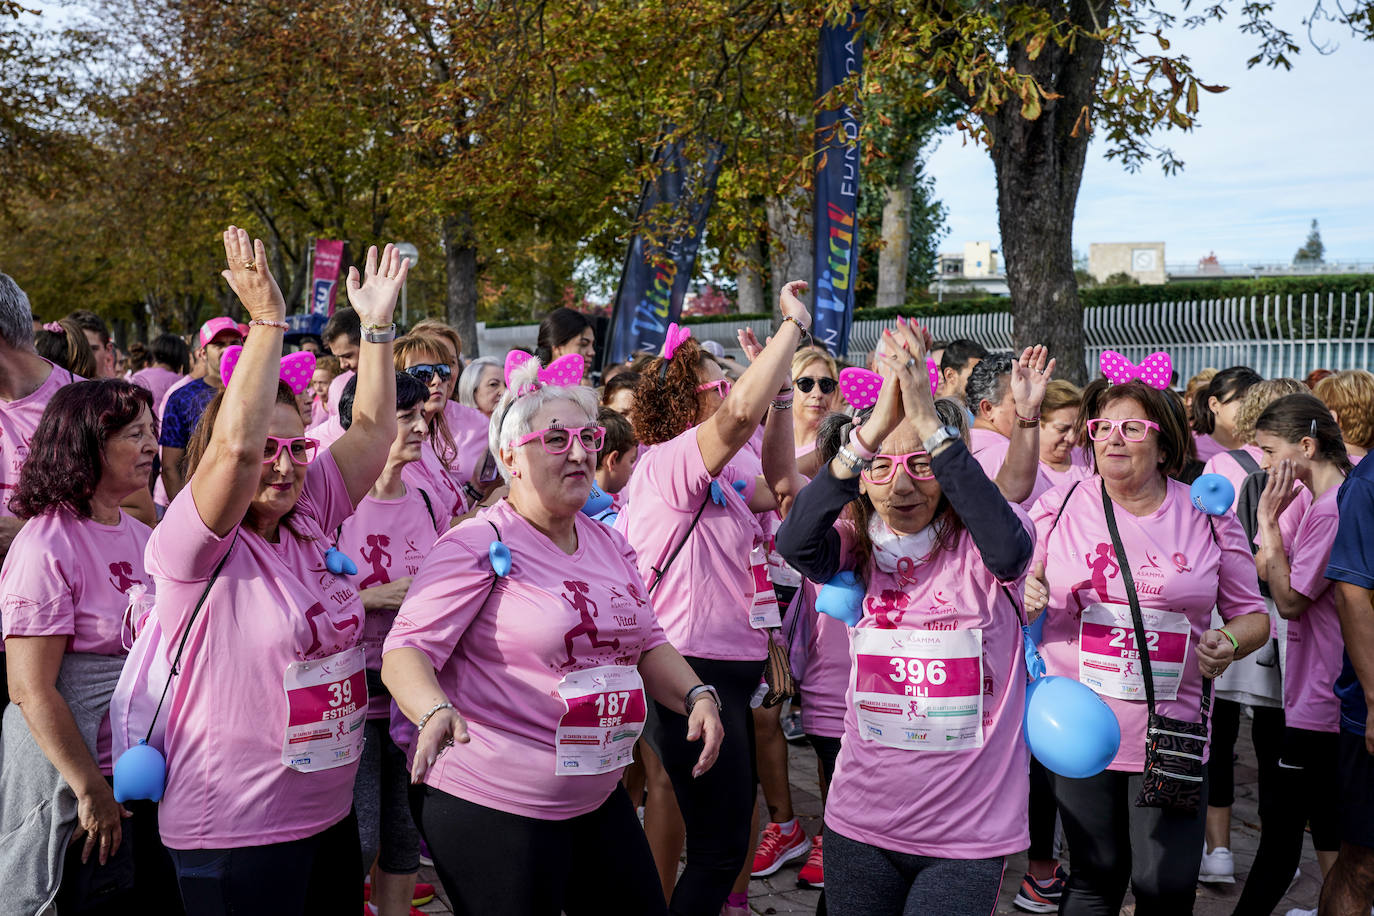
x=1030 y=106
x=1035 y=46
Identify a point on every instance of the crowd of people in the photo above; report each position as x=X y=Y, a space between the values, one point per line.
x=375 y=606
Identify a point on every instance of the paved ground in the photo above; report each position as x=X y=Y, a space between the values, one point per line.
x=779 y=894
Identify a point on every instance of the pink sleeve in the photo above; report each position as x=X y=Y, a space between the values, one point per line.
x=448 y=592
x=1042 y=516
x=325 y=495
x=655 y=637
x=182 y=547
x=1238 y=586
x=35 y=596
x=678 y=472
x=1311 y=550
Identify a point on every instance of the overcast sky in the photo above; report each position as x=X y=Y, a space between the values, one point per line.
x=1271 y=154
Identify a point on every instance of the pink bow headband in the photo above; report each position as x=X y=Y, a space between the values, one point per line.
x=677 y=335
x=1155 y=370
x=54 y=327
x=860 y=387
x=564 y=371
x=296 y=368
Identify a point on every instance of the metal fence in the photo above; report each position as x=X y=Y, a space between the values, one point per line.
x=1276 y=335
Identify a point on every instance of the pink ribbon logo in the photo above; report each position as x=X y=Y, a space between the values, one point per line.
x=564 y=372
x=1156 y=370
x=296 y=368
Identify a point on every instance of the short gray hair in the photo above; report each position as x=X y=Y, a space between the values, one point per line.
x=16 y=317
x=471 y=377
x=988 y=382
x=514 y=416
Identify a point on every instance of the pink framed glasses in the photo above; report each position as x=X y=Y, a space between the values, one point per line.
x=722 y=386
x=1132 y=430
x=884 y=468
x=302 y=449
x=558 y=439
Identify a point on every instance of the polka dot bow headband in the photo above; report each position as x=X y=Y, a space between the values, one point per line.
x=296 y=368
x=1156 y=370
x=860 y=387
x=564 y=371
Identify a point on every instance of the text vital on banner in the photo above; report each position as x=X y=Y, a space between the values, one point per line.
x=325 y=280
x=837 y=184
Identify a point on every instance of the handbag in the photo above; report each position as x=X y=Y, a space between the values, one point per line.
x=778 y=672
x=1173 y=747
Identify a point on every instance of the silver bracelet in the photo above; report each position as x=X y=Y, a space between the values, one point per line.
x=783 y=405
x=851 y=459
x=699 y=691
x=424 y=720
x=380 y=334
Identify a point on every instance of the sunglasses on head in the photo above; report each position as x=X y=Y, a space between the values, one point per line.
x=426 y=371
x=806 y=383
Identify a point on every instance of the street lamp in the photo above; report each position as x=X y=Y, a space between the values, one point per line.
x=407 y=250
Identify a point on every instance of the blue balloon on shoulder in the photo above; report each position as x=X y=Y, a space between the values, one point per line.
x=842 y=597
x=337 y=562
x=598 y=501
x=1069 y=728
x=500 y=558
x=140 y=773
x=1213 y=494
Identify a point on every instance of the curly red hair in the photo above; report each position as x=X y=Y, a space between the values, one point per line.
x=666 y=406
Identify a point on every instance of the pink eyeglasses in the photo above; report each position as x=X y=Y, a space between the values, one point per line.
x=1132 y=430
x=722 y=386
x=884 y=468
x=557 y=440
x=302 y=449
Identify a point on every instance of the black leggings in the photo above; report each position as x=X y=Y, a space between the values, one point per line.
x=1112 y=843
x=316 y=876
x=1308 y=788
x=1043 y=813
x=493 y=862
x=717 y=807
x=139 y=878
x=827 y=752
x=1266 y=731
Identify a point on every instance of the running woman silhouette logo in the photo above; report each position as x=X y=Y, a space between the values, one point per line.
x=587 y=610
x=1103 y=566
x=379 y=558
x=121 y=576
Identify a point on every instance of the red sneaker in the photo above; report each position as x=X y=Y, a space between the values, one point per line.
x=812 y=874
x=423 y=894
x=776 y=849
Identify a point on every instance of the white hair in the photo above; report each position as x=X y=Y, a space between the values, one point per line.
x=514 y=415
x=16 y=318
x=471 y=377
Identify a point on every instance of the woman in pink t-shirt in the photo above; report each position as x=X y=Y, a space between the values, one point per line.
x=690 y=516
x=1300 y=442
x=930 y=789
x=1214 y=409
x=265 y=719
x=1183 y=563
x=68 y=579
x=526 y=668
x=1061 y=458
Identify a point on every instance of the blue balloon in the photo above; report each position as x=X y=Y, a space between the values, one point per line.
x=598 y=501
x=717 y=494
x=1213 y=494
x=500 y=558
x=337 y=562
x=140 y=773
x=842 y=597
x=1069 y=729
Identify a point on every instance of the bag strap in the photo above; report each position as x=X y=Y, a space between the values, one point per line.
x=185 y=634
x=429 y=507
x=1245 y=460
x=1142 y=645
x=1062 y=506
x=661 y=571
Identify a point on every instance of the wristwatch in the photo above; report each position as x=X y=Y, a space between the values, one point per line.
x=381 y=334
x=852 y=459
x=939 y=438
x=698 y=691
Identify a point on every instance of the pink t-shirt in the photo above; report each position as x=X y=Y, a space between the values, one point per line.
x=388 y=539
x=705 y=598
x=157 y=380
x=825 y=684
x=273 y=604
x=18 y=420
x=1080 y=468
x=336 y=388
x=469 y=428
x=1178 y=566
x=989 y=448
x=1207 y=447
x=68 y=576
x=327 y=432
x=1225 y=464
x=500 y=648
x=1315 y=645
x=968 y=804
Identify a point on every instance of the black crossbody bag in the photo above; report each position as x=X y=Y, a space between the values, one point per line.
x=1173 y=748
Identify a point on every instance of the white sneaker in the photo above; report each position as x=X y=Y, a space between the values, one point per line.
x=1217 y=866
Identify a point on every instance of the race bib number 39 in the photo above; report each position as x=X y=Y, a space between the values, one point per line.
x=326 y=709
x=1109 y=660
x=919 y=689
x=605 y=717
x=763 y=613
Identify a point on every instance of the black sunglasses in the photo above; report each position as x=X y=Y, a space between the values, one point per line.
x=806 y=383
x=426 y=372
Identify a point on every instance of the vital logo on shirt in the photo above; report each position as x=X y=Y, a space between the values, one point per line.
x=577 y=596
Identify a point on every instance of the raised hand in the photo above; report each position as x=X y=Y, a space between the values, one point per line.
x=791 y=305
x=1030 y=375
x=374 y=296
x=249 y=276
x=911 y=342
x=749 y=343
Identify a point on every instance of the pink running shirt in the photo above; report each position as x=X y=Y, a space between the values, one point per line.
x=1315 y=645
x=157 y=380
x=989 y=448
x=273 y=604
x=469 y=428
x=18 y=420
x=500 y=648
x=1207 y=447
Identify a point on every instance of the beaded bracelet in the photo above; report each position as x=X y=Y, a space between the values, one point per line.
x=800 y=327
x=424 y=720
x=268 y=323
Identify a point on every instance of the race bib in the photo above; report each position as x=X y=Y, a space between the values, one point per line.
x=763 y=613
x=920 y=690
x=605 y=717
x=1109 y=659
x=326 y=701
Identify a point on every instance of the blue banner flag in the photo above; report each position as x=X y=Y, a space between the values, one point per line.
x=836 y=245
x=663 y=251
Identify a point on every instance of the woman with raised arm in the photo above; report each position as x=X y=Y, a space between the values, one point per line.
x=265 y=717
x=936 y=690
x=691 y=520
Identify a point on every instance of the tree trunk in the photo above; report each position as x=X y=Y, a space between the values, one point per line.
x=749 y=280
x=892 y=259
x=789 y=249
x=460 y=271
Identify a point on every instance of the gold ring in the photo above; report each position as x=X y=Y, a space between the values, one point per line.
x=250 y=264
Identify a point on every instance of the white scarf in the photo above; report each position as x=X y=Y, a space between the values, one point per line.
x=889 y=547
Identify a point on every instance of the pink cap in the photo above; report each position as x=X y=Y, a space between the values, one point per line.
x=215 y=326
x=243 y=329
